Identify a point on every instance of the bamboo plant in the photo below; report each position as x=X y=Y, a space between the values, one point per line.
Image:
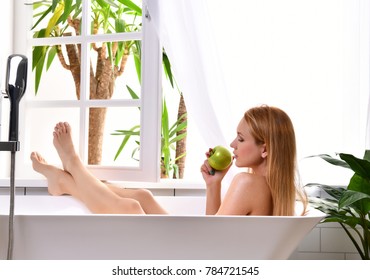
x=350 y=207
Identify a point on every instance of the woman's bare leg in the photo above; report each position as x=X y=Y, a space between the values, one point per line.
x=143 y=196
x=59 y=181
x=97 y=196
x=92 y=192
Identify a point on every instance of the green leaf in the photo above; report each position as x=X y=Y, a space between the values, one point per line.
x=68 y=8
x=51 y=56
x=165 y=125
x=335 y=192
x=350 y=197
x=137 y=61
x=332 y=160
x=132 y=6
x=167 y=68
x=181 y=119
x=54 y=5
x=37 y=54
x=359 y=184
x=119 y=25
x=44 y=14
x=54 y=19
x=38 y=72
x=110 y=53
x=132 y=93
x=178 y=138
x=119 y=54
x=134 y=151
x=128 y=133
x=367 y=155
x=102 y=4
x=178 y=129
x=360 y=166
x=77 y=8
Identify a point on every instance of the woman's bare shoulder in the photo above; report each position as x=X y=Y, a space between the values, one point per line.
x=254 y=191
x=245 y=177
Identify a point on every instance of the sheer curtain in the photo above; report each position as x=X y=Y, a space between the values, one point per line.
x=310 y=58
x=186 y=36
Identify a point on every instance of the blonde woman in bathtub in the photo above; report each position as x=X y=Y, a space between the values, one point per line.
x=253 y=193
x=265 y=144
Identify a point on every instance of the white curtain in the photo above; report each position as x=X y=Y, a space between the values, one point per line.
x=310 y=58
x=183 y=29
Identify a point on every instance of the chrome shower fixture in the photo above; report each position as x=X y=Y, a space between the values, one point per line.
x=16 y=83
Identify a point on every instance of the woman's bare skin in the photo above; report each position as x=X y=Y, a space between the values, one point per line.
x=76 y=180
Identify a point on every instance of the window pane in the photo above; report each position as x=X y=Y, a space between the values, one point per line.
x=115 y=17
x=57 y=80
x=119 y=122
x=116 y=70
x=39 y=127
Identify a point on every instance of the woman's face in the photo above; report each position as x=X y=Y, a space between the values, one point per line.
x=246 y=152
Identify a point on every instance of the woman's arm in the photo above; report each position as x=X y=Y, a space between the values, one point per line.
x=213 y=181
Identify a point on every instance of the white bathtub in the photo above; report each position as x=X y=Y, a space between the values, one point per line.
x=47 y=227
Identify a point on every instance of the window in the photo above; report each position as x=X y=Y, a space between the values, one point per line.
x=55 y=99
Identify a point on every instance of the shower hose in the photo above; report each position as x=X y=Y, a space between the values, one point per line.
x=11 y=207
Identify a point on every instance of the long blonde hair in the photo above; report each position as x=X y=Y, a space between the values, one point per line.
x=273 y=127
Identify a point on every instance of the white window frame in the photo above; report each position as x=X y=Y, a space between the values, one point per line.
x=150 y=101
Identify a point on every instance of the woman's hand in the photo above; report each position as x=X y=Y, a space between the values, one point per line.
x=213 y=180
x=210 y=175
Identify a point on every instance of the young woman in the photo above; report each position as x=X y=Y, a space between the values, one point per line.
x=265 y=144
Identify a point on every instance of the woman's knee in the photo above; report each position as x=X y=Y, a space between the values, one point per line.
x=130 y=206
x=143 y=195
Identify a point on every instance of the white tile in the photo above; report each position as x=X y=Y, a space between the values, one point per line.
x=316 y=256
x=329 y=225
x=311 y=242
x=352 y=256
x=336 y=240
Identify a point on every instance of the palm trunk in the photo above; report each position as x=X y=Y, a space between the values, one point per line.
x=96 y=133
x=181 y=144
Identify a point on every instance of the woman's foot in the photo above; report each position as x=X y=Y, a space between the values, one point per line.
x=63 y=143
x=58 y=179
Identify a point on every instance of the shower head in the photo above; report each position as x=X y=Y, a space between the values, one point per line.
x=16 y=82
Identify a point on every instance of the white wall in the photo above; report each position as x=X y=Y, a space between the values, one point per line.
x=6 y=12
x=6 y=38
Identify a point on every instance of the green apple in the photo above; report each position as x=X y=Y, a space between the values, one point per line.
x=219 y=158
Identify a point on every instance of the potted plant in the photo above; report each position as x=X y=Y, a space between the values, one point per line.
x=350 y=207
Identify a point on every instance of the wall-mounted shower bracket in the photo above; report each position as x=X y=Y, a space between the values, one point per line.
x=10 y=146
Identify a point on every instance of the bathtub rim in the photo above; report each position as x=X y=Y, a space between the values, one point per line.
x=311 y=212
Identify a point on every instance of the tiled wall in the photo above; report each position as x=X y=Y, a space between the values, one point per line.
x=326 y=241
